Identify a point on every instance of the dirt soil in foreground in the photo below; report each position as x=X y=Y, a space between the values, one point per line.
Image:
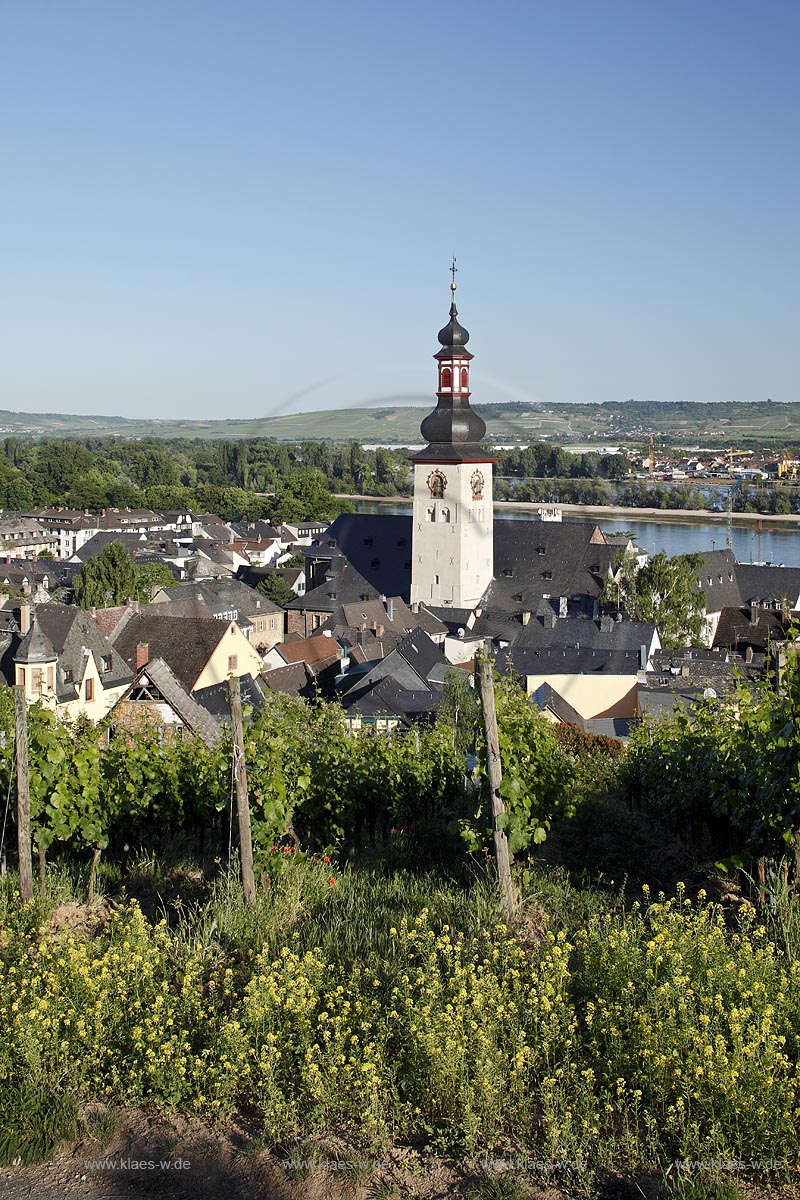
x=187 y=1159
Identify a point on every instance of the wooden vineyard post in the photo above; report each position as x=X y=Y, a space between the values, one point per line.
x=242 y=801
x=23 y=796
x=494 y=769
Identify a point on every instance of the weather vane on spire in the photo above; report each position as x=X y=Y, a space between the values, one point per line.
x=453 y=270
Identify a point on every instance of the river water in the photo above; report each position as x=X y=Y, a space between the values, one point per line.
x=774 y=543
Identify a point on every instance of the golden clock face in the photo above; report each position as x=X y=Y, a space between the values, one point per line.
x=476 y=483
x=437 y=482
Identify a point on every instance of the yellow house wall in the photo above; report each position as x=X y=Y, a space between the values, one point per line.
x=591 y=695
x=216 y=669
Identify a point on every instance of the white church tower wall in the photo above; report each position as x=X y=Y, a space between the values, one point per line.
x=453 y=519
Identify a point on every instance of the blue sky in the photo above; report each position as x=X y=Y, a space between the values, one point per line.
x=249 y=208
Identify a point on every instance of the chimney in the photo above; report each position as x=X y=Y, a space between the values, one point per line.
x=92 y=611
x=526 y=616
x=24 y=618
x=142 y=655
x=748 y=654
x=643 y=658
x=549 y=619
x=390 y=608
x=562 y=606
x=379 y=631
x=754 y=614
x=606 y=624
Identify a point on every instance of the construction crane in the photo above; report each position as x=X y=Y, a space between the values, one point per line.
x=729 y=537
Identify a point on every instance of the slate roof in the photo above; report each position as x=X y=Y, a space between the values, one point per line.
x=385 y=698
x=531 y=558
x=295 y=679
x=411 y=664
x=348 y=586
x=222 y=596
x=578 y=632
x=95 y=545
x=717 y=578
x=687 y=668
x=568 y=660
x=377 y=545
x=217 y=698
x=752 y=626
x=70 y=631
x=35 y=646
x=769 y=585
x=537 y=559
x=185 y=644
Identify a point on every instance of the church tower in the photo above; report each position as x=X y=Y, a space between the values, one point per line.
x=453 y=546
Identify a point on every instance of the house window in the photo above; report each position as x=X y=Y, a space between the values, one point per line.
x=273 y=624
x=233 y=663
x=37 y=679
x=89 y=689
x=261 y=626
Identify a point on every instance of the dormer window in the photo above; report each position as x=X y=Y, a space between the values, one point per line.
x=540 y=549
x=368 y=541
x=508 y=572
x=547 y=574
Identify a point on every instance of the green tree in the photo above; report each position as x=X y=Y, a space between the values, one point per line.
x=109 y=578
x=666 y=591
x=112 y=577
x=276 y=589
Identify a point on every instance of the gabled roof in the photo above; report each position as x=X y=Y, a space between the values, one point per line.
x=580 y=633
x=186 y=644
x=72 y=632
x=156 y=675
x=111 y=621
x=221 y=595
x=315 y=651
x=72 y=638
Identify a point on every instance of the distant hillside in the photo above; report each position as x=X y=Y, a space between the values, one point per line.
x=634 y=420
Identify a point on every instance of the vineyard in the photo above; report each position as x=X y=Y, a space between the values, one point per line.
x=641 y=1009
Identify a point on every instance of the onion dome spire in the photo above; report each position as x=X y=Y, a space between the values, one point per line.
x=453 y=431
